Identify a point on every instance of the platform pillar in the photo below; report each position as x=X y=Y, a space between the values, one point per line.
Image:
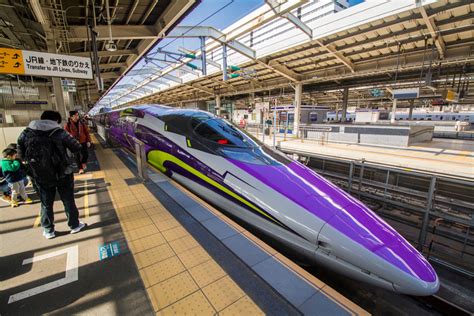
x=410 y=113
x=345 y=100
x=298 y=96
x=218 y=105
x=394 y=110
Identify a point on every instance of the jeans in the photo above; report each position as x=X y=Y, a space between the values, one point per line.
x=83 y=156
x=47 y=193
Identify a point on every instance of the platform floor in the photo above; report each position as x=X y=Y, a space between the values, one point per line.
x=444 y=156
x=176 y=255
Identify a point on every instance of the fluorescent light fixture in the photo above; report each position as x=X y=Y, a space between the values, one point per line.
x=38 y=12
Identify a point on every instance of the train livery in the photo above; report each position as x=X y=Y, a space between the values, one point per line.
x=279 y=197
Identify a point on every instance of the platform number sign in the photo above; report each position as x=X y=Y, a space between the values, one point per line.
x=109 y=250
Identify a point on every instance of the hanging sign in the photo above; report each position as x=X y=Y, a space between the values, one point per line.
x=451 y=96
x=24 y=62
x=404 y=94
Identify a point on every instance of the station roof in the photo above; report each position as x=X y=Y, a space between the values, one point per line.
x=61 y=26
x=357 y=47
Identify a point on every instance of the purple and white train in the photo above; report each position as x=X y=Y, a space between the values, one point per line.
x=281 y=198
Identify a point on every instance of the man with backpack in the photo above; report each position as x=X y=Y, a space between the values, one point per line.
x=44 y=147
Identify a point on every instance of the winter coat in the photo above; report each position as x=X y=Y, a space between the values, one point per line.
x=81 y=133
x=11 y=170
x=60 y=137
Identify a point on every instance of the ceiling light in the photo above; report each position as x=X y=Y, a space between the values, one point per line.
x=37 y=11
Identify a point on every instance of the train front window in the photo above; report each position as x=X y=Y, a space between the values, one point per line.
x=220 y=132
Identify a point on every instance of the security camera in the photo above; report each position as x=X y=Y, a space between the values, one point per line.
x=110 y=46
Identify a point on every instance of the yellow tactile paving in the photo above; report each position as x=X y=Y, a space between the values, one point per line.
x=175 y=233
x=153 y=255
x=183 y=244
x=194 y=304
x=146 y=243
x=172 y=290
x=141 y=232
x=161 y=271
x=167 y=224
x=193 y=257
x=206 y=273
x=223 y=293
x=244 y=306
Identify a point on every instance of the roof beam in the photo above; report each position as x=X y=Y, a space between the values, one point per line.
x=338 y=55
x=207 y=31
x=201 y=88
x=78 y=33
x=109 y=75
x=437 y=38
x=107 y=53
x=276 y=7
x=280 y=69
x=111 y=65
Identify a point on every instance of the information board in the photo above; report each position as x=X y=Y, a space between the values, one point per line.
x=24 y=62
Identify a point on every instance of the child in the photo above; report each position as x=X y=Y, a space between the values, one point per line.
x=11 y=171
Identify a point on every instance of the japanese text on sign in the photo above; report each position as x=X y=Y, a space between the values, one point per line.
x=31 y=63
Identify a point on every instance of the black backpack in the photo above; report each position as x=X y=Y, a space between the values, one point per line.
x=43 y=158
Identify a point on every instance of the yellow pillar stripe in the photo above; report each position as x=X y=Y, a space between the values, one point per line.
x=157 y=158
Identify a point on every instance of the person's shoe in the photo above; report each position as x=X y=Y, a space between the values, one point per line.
x=14 y=204
x=49 y=235
x=81 y=171
x=28 y=201
x=7 y=198
x=80 y=227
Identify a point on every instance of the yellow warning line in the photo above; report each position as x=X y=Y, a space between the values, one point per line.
x=37 y=220
x=86 y=200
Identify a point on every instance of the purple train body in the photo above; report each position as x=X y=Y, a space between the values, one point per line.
x=281 y=198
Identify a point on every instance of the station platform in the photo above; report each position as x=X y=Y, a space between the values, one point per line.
x=443 y=156
x=149 y=248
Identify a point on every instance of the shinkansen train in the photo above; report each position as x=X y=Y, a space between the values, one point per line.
x=417 y=116
x=278 y=197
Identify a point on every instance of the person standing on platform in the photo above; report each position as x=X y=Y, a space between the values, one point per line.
x=43 y=147
x=11 y=168
x=79 y=130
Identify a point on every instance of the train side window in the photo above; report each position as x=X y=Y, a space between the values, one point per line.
x=454 y=118
x=441 y=118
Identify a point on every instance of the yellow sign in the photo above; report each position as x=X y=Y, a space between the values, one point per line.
x=11 y=61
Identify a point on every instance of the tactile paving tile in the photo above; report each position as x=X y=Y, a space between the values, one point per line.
x=141 y=232
x=167 y=224
x=170 y=291
x=175 y=233
x=193 y=257
x=164 y=216
x=161 y=271
x=244 y=306
x=223 y=293
x=194 y=304
x=146 y=243
x=129 y=209
x=183 y=244
x=153 y=255
x=206 y=273
x=133 y=215
x=130 y=224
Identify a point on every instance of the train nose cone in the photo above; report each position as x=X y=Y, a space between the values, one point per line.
x=387 y=253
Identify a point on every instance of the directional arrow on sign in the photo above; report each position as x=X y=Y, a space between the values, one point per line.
x=17 y=64
x=15 y=56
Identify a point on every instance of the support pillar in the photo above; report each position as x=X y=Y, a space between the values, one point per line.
x=345 y=100
x=410 y=113
x=224 y=62
x=298 y=95
x=394 y=110
x=203 y=55
x=218 y=105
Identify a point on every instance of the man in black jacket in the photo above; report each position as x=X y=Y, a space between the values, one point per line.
x=43 y=145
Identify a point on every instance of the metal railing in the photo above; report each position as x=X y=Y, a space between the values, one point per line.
x=317 y=134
